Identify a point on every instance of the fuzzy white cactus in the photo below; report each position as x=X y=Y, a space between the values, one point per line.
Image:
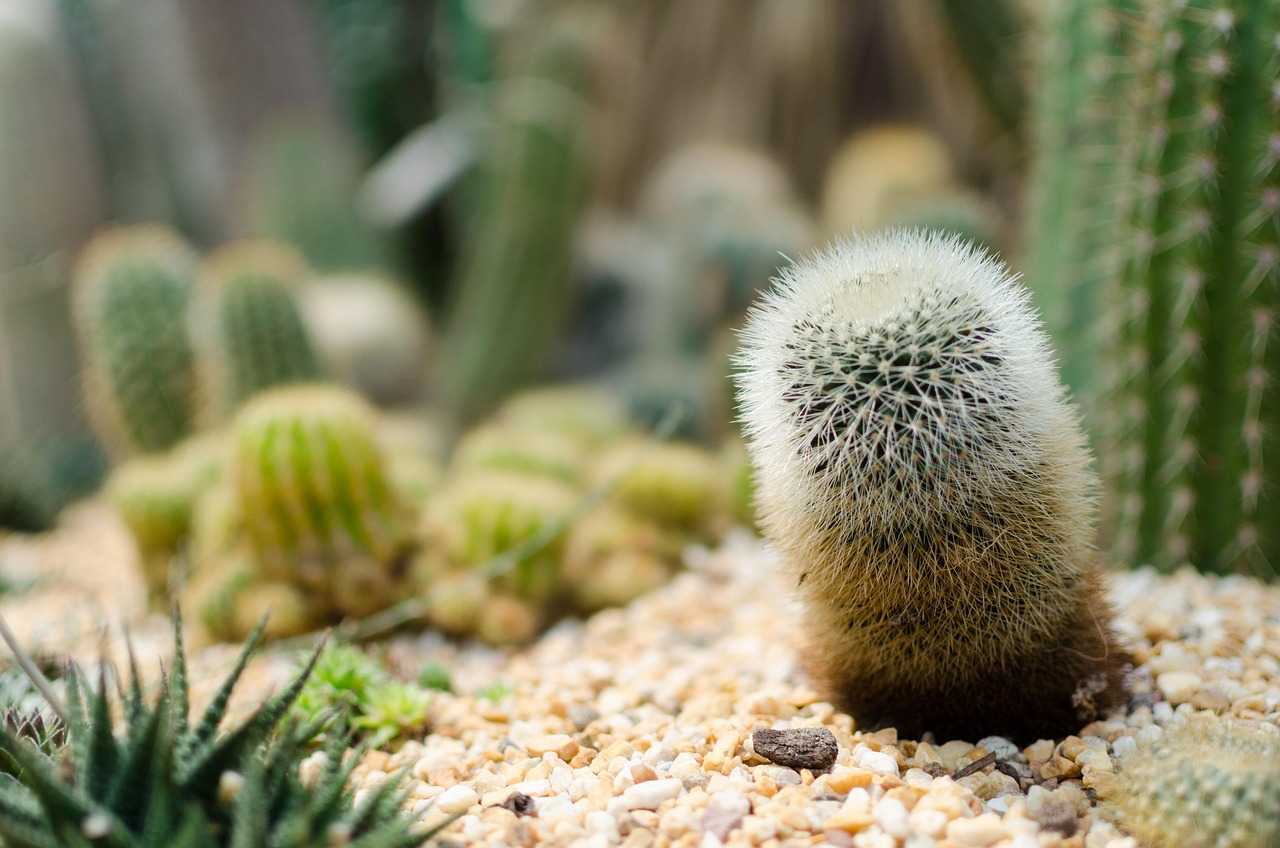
x=923 y=475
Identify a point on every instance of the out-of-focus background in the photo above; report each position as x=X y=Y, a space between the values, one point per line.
x=465 y=198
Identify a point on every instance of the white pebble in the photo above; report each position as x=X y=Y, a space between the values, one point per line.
x=875 y=761
x=891 y=814
x=646 y=796
x=998 y=745
x=978 y=832
x=1179 y=686
x=457 y=799
x=1123 y=746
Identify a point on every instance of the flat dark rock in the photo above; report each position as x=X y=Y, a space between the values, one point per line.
x=813 y=748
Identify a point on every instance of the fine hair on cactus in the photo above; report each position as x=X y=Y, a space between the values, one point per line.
x=132 y=288
x=924 y=478
x=1206 y=783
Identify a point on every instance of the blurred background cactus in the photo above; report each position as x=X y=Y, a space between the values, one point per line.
x=433 y=302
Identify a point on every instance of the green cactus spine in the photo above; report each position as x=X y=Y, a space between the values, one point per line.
x=1193 y=438
x=255 y=336
x=316 y=503
x=132 y=290
x=920 y=471
x=1208 y=783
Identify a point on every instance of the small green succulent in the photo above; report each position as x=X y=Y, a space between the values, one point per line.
x=163 y=780
x=382 y=709
x=436 y=676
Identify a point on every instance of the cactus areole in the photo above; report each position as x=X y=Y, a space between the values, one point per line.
x=925 y=481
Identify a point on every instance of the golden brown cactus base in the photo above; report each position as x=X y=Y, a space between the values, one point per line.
x=1048 y=692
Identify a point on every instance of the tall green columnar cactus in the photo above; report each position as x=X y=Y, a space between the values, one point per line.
x=1191 y=429
x=514 y=268
x=317 y=506
x=132 y=288
x=254 y=333
x=1073 y=210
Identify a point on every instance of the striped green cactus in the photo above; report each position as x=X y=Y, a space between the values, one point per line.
x=251 y=326
x=132 y=288
x=315 y=500
x=1185 y=418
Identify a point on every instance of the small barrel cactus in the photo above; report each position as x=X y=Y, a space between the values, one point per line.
x=317 y=507
x=1209 y=783
x=490 y=518
x=678 y=486
x=157 y=495
x=922 y=474
x=132 y=288
x=250 y=324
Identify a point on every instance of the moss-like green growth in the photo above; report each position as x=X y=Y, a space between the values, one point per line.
x=132 y=288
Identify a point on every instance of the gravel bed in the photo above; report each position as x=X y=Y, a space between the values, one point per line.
x=635 y=727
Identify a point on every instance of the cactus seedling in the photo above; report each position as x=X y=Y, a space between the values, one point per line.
x=132 y=287
x=317 y=506
x=924 y=477
x=1208 y=783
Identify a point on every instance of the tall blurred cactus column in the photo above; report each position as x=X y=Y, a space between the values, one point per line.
x=132 y=291
x=1188 y=436
x=514 y=269
x=50 y=201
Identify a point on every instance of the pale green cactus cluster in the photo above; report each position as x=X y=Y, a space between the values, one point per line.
x=558 y=505
x=1208 y=783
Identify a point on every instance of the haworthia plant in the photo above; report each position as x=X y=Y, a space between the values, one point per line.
x=132 y=289
x=1186 y=398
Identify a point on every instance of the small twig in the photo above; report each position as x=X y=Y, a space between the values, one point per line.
x=975 y=766
x=29 y=667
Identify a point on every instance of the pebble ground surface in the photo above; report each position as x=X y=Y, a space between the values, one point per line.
x=634 y=728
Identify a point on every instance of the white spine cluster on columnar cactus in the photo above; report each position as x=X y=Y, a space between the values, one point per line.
x=923 y=475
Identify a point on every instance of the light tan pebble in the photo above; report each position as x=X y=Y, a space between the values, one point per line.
x=854 y=815
x=977 y=832
x=1161 y=712
x=1123 y=746
x=555 y=808
x=758 y=829
x=631 y=774
x=877 y=762
x=312 y=768
x=1024 y=840
x=542 y=771
x=563 y=746
x=925 y=754
x=790 y=818
x=765 y=786
x=646 y=796
x=952 y=751
x=1039 y=752
x=600 y=823
x=618 y=748
x=1000 y=746
x=533 y=788
x=1179 y=686
x=1059 y=767
x=457 y=799
x=1095 y=766
x=917 y=777
x=657 y=755
x=929 y=822
x=724 y=813
x=874 y=837
x=1071 y=747
x=893 y=817
x=1210 y=699
x=376 y=761
x=843 y=778
x=781 y=775
x=988 y=785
